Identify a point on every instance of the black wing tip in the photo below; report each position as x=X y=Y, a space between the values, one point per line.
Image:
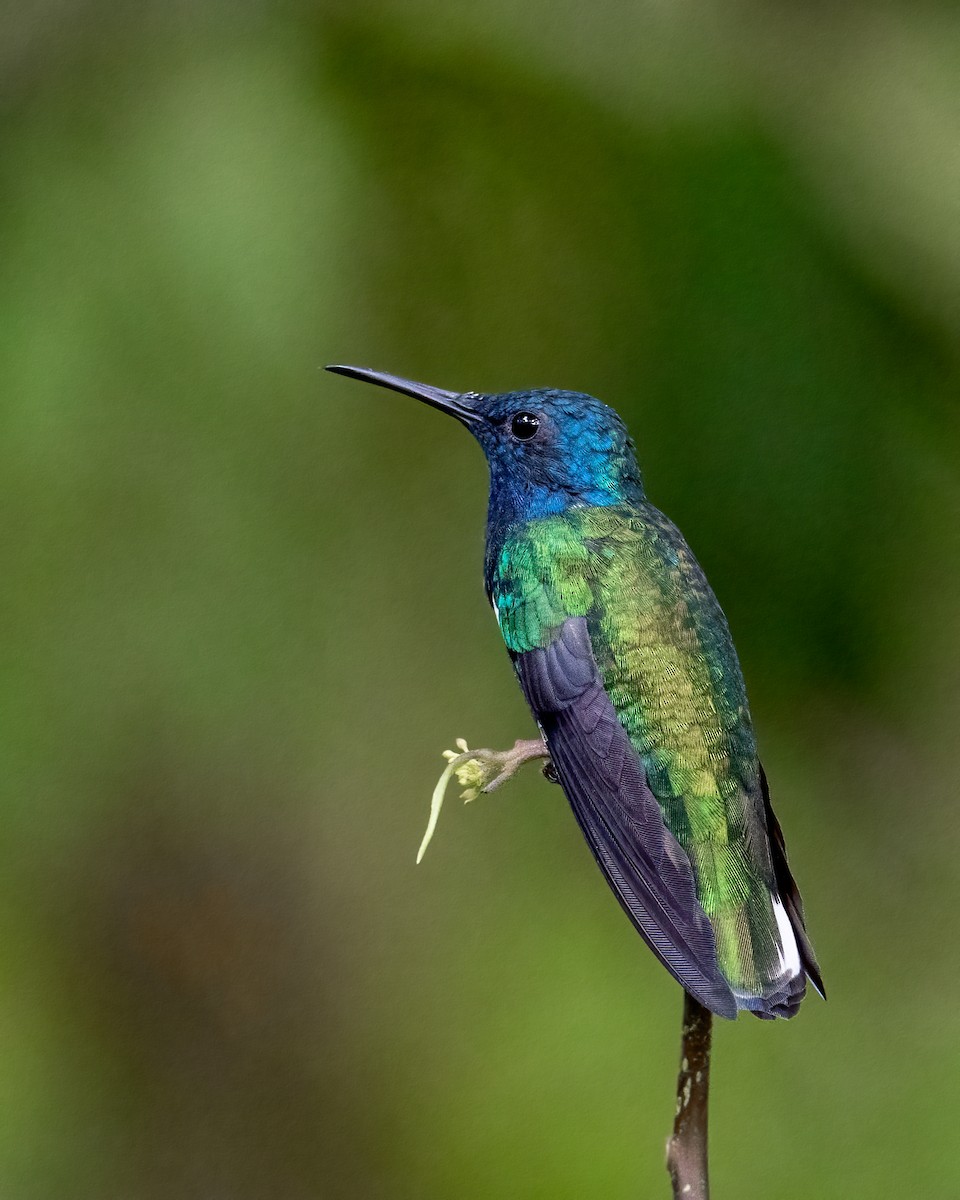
x=813 y=974
x=719 y=1004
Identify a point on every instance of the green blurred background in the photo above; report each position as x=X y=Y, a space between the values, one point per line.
x=241 y=602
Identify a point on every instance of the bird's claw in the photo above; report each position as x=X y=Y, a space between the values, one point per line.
x=508 y=762
x=549 y=772
x=479 y=772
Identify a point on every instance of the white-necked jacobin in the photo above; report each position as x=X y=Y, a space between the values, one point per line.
x=626 y=660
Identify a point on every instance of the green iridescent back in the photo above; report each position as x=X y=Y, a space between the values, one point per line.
x=667 y=661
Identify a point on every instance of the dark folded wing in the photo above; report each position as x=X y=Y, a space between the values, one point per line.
x=605 y=782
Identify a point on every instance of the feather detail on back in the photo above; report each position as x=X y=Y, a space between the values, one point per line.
x=623 y=651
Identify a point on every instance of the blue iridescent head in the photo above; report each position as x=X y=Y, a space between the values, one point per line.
x=547 y=449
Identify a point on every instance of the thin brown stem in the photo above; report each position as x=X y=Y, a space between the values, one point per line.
x=687 y=1147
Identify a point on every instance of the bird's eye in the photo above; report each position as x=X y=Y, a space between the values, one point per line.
x=524 y=426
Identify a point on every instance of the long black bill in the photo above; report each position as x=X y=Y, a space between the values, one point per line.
x=448 y=402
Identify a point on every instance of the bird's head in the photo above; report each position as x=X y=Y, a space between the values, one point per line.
x=547 y=449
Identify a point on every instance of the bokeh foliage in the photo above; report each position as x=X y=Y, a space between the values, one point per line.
x=243 y=616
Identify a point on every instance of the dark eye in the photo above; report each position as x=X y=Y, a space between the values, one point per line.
x=524 y=426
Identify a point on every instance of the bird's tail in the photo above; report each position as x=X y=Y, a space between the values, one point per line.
x=783 y=984
x=759 y=953
x=795 y=961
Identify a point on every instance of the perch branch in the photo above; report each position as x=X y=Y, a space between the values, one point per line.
x=482 y=771
x=687 y=1147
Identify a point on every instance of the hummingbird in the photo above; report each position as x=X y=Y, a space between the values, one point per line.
x=627 y=663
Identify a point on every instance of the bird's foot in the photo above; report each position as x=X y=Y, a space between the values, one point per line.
x=497 y=766
x=481 y=771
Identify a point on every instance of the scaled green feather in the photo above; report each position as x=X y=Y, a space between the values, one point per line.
x=664 y=652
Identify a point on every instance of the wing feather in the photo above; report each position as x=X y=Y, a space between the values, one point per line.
x=604 y=780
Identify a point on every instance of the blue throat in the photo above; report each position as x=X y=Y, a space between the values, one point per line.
x=513 y=500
